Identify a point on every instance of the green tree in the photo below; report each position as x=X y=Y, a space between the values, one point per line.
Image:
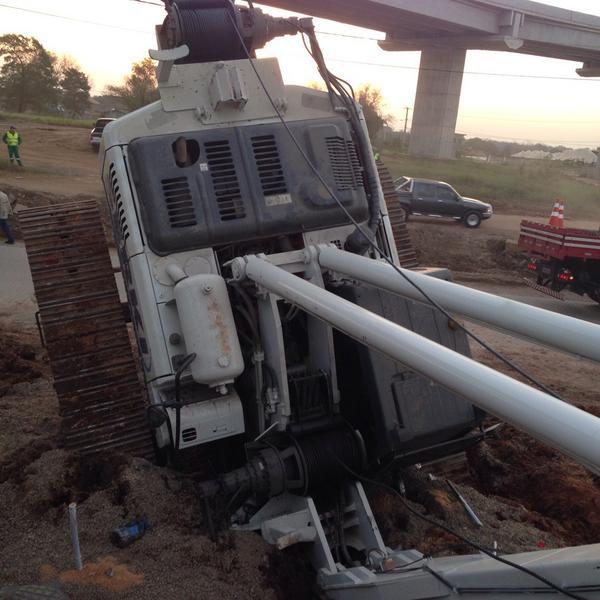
x=373 y=104
x=74 y=87
x=27 y=76
x=140 y=87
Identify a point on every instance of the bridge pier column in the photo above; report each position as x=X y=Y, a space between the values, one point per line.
x=437 y=102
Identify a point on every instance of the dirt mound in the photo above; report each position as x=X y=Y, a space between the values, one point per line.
x=549 y=502
x=518 y=468
x=175 y=559
x=509 y=525
x=469 y=254
x=33 y=199
x=13 y=466
x=18 y=363
x=561 y=496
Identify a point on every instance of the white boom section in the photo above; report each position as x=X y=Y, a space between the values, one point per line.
x=566 y=333
x=552 y=421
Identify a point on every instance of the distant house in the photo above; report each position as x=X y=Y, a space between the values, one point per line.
x=533 y=155
x=581 y=156
x=107 y=106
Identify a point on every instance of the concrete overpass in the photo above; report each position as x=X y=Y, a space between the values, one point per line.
x=443 y=30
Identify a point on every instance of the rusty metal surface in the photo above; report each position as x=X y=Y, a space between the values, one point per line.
x=406 y=251
x=95 y=374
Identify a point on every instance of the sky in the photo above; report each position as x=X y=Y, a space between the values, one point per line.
x=559 y=108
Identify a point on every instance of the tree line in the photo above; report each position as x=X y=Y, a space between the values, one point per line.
x=33 y=79
x=36 y=80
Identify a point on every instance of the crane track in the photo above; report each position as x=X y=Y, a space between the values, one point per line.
x=406 y=251
x=85 y=331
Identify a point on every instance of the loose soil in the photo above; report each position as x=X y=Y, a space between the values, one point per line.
x=175 y=559
x=527 y=495
x=471 y=254
x=58 y=160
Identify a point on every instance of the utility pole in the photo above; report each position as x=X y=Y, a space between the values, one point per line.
x=404 y=141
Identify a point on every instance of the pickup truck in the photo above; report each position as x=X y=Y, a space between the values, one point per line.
x=96 y=133
x=438 y=199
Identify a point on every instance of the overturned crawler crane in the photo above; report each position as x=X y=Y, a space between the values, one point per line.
x=275 y=339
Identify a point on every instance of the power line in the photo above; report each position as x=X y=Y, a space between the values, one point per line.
x=544 y=122
x=481 y=73
x=487 y=74
x=161 y=5
x=346 y=35
x=73 y=19
x=332 y=33
x=531 y=140
x=338 y=60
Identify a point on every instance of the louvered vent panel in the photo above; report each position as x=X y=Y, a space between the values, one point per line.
x=225 y=181
x=114 y=183
x=117 y=204
x=122 y=218
x=341 y=163
x=178 y=199
x=269 y=166
x=189 y=435
x=356 y=166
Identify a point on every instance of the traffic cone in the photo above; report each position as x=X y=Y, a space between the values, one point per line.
x=557 y=218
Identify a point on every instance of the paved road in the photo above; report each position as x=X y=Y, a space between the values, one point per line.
x=17 y=301
x=17 y=298
x=573 y=306
x=506 y=226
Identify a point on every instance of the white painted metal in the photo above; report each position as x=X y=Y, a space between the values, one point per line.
x=186 y=104
x=566 y=333
x=210 y=420
x=121 y=204
x=75 y=535
x=552 y=421
x=146 y=318
x=208 y=328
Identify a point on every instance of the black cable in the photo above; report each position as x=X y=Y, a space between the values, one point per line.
x=187 y=361
x=356 y=241
x=243 y=294
x=248 y=318
x=375 y=247
x=457 y=535
x=318 y=56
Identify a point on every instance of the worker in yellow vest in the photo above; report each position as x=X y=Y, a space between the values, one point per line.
x=12 y=138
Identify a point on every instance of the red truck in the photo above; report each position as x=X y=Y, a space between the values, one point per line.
x=563 y=258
